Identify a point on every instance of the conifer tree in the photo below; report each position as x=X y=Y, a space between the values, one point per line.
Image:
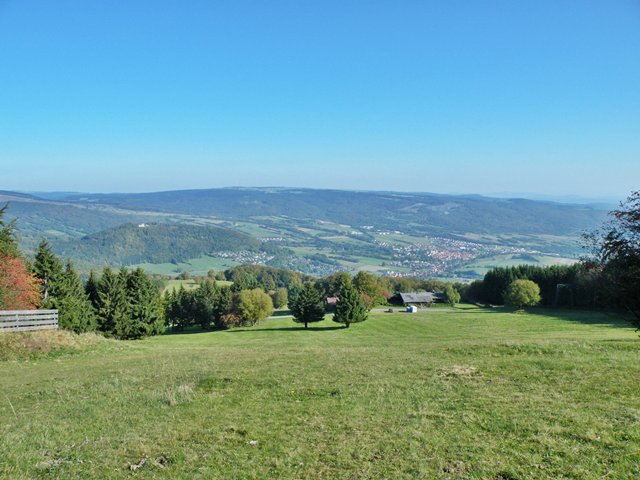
x=112 y=301
x=8 y=242
x=308 y=305
x=48 y=269
x=223 y=306
x=74 y=308
x=205 y=303
x=145 y=315
x=91 y=289
x=350 y=308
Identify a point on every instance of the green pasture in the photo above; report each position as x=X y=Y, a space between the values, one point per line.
x=195 y=266
x=453 y=394
x=175 y=284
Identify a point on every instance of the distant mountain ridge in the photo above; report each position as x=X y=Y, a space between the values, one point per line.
x=312 y=231
x=421 y=212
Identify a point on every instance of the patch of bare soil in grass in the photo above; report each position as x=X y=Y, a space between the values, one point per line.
x=459 y=371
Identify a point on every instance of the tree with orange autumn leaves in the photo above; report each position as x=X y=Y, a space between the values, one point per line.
x=19 y=290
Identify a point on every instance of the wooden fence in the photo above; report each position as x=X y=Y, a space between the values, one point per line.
x=27 y=320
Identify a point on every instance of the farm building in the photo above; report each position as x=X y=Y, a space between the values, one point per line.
x=330 y=304
x=332 y=301
x=419 y=299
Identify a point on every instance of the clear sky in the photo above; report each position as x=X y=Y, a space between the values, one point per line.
x=440 y=96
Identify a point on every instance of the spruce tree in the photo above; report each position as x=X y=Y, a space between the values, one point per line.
x=112 y=301
x=350 y=308
x=223 y=306
x=48 y=269
x=205 y=299
x=145 y=314
x=74 y=308
x=8 y=241
x=308 y=305
x=91 y=289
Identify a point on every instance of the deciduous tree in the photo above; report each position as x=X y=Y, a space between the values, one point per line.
x=253 y=305
x=617 y=255
x=522 y=293
x=452 y=295
x=280 y=297
x=19 y=290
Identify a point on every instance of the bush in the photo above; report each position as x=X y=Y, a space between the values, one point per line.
x=522 y=293
x=253 y=305
x=230 y=320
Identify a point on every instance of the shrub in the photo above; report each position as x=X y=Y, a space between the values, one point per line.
x=522 y=293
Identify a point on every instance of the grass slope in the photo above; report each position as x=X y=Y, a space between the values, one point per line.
x=478 y=394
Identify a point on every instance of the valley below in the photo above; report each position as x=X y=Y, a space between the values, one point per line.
x=316 y=232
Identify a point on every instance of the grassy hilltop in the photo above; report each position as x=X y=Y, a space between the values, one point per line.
x=470 y=393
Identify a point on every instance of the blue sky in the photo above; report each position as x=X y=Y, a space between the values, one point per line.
x=441 y=96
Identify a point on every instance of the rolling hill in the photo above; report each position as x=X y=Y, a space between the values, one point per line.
x=421 y=212
x=132 y=244
x=321 y=231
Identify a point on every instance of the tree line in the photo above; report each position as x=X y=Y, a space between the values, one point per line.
x=128 y=304
x=607 y=276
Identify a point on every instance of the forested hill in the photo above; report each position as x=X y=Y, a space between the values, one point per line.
x=156 y=243
x=418 y=212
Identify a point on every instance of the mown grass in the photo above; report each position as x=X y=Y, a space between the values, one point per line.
x=440 y=394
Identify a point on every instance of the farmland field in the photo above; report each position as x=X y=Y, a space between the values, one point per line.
x=468 y=393
x=195 y=266
x=173 y=285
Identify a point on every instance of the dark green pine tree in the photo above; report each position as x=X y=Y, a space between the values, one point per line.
x=178 y=308
x=91 y=289
x=169 y=303
x=49 y=270
x=8 y=241
x=75 y=310
x=182 y=308
x=308 y=305
x=350 y=308
x=112 y=308
x=205 y=300
x=145 y=314
x=223 y=305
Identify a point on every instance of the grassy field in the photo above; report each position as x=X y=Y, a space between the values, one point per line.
x=195 y=266
x=473 y=394
x=174 y=284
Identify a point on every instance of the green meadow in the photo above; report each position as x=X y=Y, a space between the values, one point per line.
x=175 y=284
x=454 y=394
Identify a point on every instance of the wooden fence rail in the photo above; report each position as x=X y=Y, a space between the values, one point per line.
x=27 y=320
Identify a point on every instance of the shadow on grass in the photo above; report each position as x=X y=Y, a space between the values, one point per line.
x=610 y=318
x=284 y=329
x=258 y=328
x=190 y=330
